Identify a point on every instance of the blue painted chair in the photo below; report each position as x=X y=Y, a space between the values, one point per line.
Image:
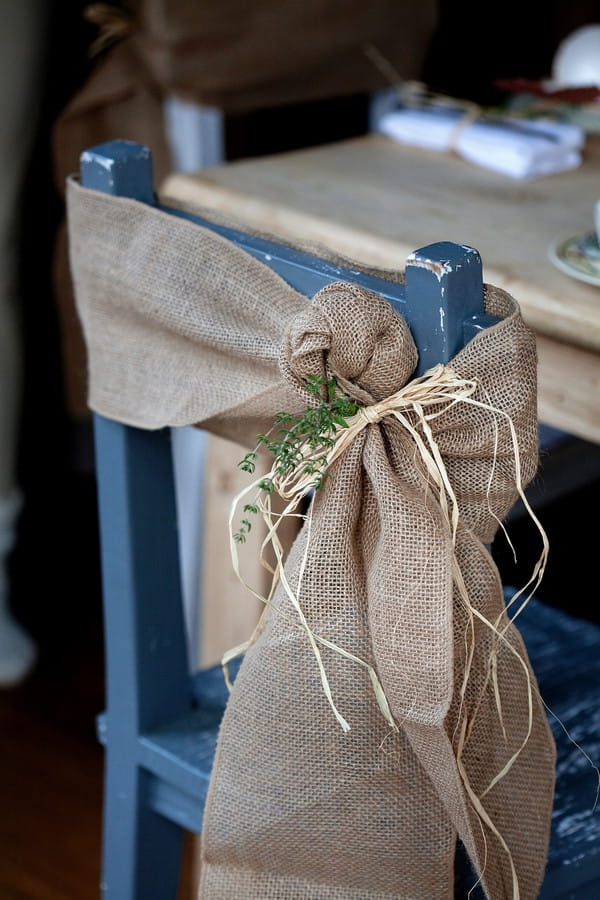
x=160 y=725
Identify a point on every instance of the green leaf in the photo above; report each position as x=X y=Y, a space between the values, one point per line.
x=314 y=429
x=339 y=420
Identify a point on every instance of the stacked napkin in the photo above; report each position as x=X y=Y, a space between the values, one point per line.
x=520 y=148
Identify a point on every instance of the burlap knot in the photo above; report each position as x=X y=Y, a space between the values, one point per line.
x=382 y=573
x=351 y=334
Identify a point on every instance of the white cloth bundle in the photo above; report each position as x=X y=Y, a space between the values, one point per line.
x=515 y=147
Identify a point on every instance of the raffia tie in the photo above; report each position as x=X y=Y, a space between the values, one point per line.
x=435 y=391
x=415 y=406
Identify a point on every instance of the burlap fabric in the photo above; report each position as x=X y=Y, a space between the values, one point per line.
x=181 y=328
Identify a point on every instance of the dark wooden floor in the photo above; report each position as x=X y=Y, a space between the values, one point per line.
x=50 y=789
x=51 y=765
x=51 y=781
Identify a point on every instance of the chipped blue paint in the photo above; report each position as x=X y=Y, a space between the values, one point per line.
x=439 y=268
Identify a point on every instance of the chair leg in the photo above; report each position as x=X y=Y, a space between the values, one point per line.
x=142 y=850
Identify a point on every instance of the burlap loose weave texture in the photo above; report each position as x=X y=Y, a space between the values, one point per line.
x=184 y=328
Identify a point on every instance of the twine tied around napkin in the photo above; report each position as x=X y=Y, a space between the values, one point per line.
x=505 y=141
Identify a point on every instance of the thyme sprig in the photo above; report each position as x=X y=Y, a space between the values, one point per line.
x=300 y=442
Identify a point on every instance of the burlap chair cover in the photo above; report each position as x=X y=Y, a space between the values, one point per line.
x=183 y=328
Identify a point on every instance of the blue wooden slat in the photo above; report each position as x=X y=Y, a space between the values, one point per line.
x=147 y=676
x=177 y=806
x=138 y=527
x=442 y=300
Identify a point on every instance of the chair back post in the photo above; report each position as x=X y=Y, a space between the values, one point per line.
x=147 y=673
x=146 y=653
x=444 y=294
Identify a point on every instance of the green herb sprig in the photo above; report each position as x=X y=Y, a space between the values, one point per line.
x=300 y=441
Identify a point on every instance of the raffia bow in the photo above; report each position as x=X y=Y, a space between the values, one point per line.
x=415 y=406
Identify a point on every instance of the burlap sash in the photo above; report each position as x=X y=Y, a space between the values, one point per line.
x=181 y=328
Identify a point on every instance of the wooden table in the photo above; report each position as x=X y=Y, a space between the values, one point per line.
x=376 y=201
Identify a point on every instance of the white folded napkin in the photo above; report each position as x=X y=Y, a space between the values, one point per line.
x=521 y=148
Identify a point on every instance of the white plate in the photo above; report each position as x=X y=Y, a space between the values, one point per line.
x=578 y=256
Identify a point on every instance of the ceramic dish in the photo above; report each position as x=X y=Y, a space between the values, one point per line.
x=578 y=256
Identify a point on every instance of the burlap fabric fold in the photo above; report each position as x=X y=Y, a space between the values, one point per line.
x=183 y=328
